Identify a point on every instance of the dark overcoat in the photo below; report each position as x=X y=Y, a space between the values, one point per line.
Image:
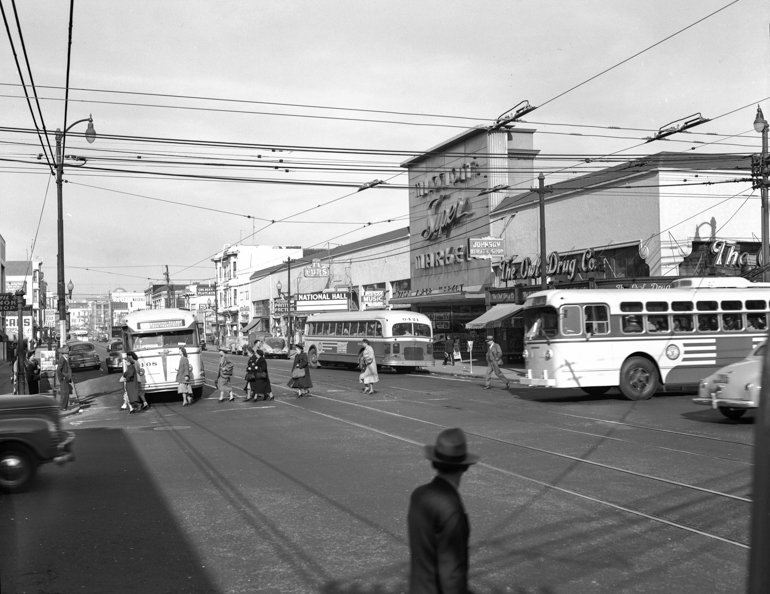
x=438 y=540
x=304 y=383
x=132 y=382
x=259 y=386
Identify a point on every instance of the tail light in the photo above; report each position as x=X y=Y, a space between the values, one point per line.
x=429 y=350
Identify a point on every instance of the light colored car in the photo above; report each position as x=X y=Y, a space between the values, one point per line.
x=30 y=435
x=83 y=355
x=734 y=389
x=114 y=359
x=275 y=346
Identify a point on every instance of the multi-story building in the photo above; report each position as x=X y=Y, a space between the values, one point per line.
x=234 y=266
x=164 y=296
x=80 y=315
x=17 y=273
x=124 y=302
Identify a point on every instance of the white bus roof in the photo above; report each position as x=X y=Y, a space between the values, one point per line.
x=556 y=297
x=373 y=314
x=157 y=315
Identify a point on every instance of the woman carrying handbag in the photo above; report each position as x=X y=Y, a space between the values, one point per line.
x=260 y=382
x=300 y=373
x=369 y=375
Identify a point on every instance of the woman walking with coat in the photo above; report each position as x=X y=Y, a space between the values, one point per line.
x=260 y=385
x=369 y=375
x=300 y=373
x=184 y=377
x=130 y=377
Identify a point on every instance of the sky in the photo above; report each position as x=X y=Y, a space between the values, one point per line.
x=216 y=120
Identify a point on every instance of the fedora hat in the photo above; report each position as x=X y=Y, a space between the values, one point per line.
x=450 y=448
x=490 y=337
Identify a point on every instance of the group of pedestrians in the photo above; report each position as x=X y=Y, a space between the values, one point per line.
x=133 y=380
x=257 y=377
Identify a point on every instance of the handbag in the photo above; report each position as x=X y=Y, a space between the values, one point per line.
x=260 y=375
x=250 y=377
x=457 y=356
x=297 y=373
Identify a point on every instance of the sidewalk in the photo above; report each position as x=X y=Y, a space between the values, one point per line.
x=6 y=387
x=513 y=371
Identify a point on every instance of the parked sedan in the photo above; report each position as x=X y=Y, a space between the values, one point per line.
x=114 y=361
x=734 y=389
x=83 y=355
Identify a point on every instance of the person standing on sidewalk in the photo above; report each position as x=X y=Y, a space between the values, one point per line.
x=64 y=375
x=437 y=522
x=449 y=350
x=494 y=360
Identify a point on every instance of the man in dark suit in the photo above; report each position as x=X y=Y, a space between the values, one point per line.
x=438 y=525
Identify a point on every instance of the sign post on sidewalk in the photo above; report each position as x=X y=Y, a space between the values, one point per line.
x=470 y=353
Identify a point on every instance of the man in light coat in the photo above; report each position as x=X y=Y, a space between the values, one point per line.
x=438 y=525
x=494 y=360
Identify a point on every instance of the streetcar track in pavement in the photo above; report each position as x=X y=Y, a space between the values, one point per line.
x=429 y=402
x=547 y=485
x=551 y=453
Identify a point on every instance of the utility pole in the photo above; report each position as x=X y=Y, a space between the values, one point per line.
x=288 y=303
x=168 y=290
x=543 y=256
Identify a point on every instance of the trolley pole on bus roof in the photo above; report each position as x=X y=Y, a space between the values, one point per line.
x=543 y=256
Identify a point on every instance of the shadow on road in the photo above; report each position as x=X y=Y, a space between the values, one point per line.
x=97 y=525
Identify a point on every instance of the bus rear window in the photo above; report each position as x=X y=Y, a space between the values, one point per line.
x=422 y=330
x=138 y=342
x=540 y=322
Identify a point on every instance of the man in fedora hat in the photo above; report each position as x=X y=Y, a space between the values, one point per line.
x=64 y=376
x=438 y=524
x=494 y=360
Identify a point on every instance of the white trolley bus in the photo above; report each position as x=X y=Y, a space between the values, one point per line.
x=402 y=340
x=156 y=336
x=642 y=340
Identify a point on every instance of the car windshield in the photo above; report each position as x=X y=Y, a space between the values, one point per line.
x=81 y=348
x=116 y=346
x=275 y=343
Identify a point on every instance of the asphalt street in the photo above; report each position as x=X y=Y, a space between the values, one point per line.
x=573 y=494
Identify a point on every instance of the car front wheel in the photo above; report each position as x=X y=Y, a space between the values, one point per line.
x=17 y=468
x=732 y=413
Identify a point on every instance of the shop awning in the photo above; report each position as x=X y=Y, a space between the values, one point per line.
x=494 y=318
x=250 y=325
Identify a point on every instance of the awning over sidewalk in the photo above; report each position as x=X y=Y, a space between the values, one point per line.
x=250 y=325
x=494 y=318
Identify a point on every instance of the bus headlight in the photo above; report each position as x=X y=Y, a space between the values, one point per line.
x=548 y=355
x=396 y=348
x=672 y=351
x=525 y=354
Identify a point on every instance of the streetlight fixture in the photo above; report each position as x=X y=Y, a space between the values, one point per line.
x=60 y=137
x=70 y=288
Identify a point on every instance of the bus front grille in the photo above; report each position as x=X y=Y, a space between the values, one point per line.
x=413 y=354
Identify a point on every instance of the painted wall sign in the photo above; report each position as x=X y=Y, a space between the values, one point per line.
x=443 y=181
x=448 y=257
x=316 y=270
x=555 y=266
x=728 y=254
x=441 y=220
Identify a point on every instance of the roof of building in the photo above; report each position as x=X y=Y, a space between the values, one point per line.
x=356 y=246
x=651 y=163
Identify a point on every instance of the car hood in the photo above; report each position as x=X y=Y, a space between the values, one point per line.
x=25 y=401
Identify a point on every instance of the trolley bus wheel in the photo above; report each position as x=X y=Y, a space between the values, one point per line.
x=595 y=390
x=313 y=358
x=732 y=413
x=638 y=379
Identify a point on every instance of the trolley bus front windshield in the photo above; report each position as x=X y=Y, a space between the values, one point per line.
x=540 y=322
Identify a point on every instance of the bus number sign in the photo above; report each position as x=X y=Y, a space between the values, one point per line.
x=162 y=324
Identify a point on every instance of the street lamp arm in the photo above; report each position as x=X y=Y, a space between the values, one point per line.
x=73 y=124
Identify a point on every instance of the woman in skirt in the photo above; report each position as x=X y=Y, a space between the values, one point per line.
x=369 y=375
x=260 y=385
x=304 y=383
x=184 y=377
x=131 y=384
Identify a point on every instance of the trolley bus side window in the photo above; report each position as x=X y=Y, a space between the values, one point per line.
x=597 y=319
x=571 y=320
x=540 y=322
